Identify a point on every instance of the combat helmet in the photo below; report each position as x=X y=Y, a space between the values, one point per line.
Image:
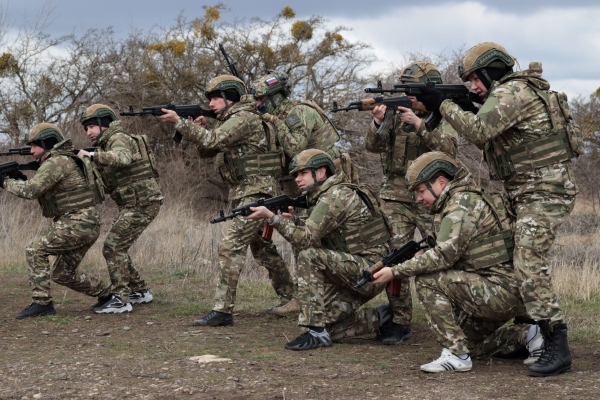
x=421 y=71
x=427 y=166
x=313 y=159
x=275 y=86
x=45 y=135
x=482 y=56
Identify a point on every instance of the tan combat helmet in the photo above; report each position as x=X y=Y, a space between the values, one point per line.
x=313 y=159
x=222 y=83
x=94 y=114
x=275 y=86
x=427 y=166
x=487 y=54
x=421 y=71
x=41 y=132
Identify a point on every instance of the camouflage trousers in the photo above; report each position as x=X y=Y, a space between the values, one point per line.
x=232 y=258
x=403 y=219
x=538 y=217
x=483 y=306
x=68 y=239
x=125 y=230
x=327 y=299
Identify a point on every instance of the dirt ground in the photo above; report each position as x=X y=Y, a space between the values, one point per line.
x=145 y=355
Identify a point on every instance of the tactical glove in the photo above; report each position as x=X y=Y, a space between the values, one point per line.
x=431 y=99
x=17 y=175
x=466 y=105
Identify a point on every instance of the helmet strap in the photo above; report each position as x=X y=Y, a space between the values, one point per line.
x=314 y=185
x=428 y=186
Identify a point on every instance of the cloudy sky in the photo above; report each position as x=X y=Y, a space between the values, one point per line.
x=563 y=35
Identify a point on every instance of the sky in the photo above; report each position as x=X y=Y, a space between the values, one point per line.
x=563 y=35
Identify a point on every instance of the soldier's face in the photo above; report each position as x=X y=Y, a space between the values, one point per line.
x=260 y=100
x=36 y=151
x=92 y=132
x=217 y=104
x=304 y=179
x=425 y=196
x=476 y=85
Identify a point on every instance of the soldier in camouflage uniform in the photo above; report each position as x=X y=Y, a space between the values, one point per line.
x=399 y=145
x=344 y=233
x=299 y=125
x=250 y=162
x=469 y=272
x=528 y=139
x=129 y=173
x=66 y=190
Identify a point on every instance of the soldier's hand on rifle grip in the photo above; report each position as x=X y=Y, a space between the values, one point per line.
x=201 y=121
x=383 y=276
x=378 y=113
x=288 y=215
x=409 y=117
x=261 y=212
x=169 y=116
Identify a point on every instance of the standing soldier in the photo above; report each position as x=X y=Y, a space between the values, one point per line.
x=528 y=139
x=67 y=192
x=299 y=125
x=344 y=233
x=466 y=282
x=406 y=140
x=250 y=162
x=129 y=172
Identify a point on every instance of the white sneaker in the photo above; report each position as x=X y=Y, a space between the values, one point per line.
x=140 y=297
x=448 y=362
x=535 y=347
x=113 y=306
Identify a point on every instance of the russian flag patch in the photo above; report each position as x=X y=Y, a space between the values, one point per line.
x=272 y=81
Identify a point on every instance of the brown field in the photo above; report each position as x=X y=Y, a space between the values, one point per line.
x=145 y=355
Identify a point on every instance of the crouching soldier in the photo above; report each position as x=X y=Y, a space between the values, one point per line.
x=66 y=189
x=344 y=234
x=129 y=171
x=467 y=282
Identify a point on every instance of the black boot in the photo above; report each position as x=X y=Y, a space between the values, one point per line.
x=556 y=358
x=397 y=334
x=36 y=310
x=214 y=318
x=386 y=317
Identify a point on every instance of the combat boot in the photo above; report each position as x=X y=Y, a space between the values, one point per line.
x=556 y=358
x=36 y=310
x=291 y=308
x=214 y=318
x=397 y=334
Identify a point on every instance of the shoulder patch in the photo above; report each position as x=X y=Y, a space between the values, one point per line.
x=292 y=120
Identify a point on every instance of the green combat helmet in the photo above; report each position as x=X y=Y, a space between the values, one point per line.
x=313 y=159
x=275 y=86
x=97 y=114
x=45 y=135
x=421 y=71
x=484 y=55
x=427 y=166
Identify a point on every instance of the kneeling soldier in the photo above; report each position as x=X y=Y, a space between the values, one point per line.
x=344 y=233
x=467 y=282
x=66 y=190
x=129 y=172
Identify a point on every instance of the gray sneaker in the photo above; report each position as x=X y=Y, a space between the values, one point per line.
x=141 y=297
x=113 y=306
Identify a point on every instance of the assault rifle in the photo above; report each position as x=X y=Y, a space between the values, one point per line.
x=184 y=111
x=11 y=166
x=278 y=203
x=26 y=151
x=397 y=256
x=453 y=92
x=230 y=65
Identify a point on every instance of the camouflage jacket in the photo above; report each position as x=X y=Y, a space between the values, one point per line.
x=400 y=147
x=333 y=208
x=301 y=126
x=513 y=115
x=115 y=152
x=239 y=132
x=462 y=220
x=56 y=175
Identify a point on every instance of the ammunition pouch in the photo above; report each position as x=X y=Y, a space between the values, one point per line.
x=234 y=170
x=55 y=205
x=402 y=150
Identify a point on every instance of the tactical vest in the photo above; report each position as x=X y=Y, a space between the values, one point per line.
x=269 y=162
x=564 y=142
x=91 y=193
x=144 y=168
x=490 y=250
x=358 y=239
x=402 y=149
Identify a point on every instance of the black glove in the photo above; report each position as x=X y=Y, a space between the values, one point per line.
x=17 y=175
x=466 y=105
x=431 y=99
